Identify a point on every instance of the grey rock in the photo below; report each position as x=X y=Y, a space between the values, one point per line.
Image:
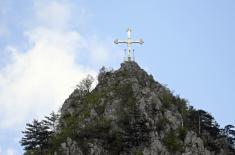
x=70 y=148
x=130 y=107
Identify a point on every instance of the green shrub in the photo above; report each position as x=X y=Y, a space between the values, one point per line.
x=99 y=109
x=137 y=152
x=115 y=142
x=182 y=133
x=97 y=128
x=161 y=124
x=167 y=99
x=172 y=142
x=31 y=152
x=94 y=97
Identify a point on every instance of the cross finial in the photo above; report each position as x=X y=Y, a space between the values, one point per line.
x=129 y=42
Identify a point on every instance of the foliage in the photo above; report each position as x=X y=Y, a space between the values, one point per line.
x=36 y=136
x=208 y=123
x=229 y=133
x=167 y=99
x=98 y=128
x=131 y=129
x=31 y=152
x=182 y=133
x=161 y=124
x=172 y=142
x=85 y=84
x=93 y=98
x=132 y=125
x=181 y=104
x=67 y=130
x=104 y=71
x=52 y=121
x=115 y=141
x=191 y=119
x=137 y=152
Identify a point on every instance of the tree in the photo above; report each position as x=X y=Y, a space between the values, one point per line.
x=85 y=84
x=191 y=119
x=102 y=73
x=51 y=121
x=35 y=137
x=208 y=123
x=229 y=133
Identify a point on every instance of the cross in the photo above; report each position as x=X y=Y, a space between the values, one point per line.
x=129 y=42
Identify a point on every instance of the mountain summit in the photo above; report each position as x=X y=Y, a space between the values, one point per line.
x=129 y=113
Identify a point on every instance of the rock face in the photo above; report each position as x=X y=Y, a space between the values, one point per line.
x=128 y=113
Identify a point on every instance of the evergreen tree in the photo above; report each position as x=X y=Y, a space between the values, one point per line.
x=191 y=119
x=229 y=133
x=51 y=121
x=208 y=123
x=35 y=137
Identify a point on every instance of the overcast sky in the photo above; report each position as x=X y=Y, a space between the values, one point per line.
x=48 y=46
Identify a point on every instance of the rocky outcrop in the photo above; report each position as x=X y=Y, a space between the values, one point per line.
x=128 y=113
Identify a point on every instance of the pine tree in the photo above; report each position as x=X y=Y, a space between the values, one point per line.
x=51 y=122
x=35 y=137
x=208 y=123
x=229 y=132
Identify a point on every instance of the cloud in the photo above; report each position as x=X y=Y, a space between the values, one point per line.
x=10 y=151
x=38 y=80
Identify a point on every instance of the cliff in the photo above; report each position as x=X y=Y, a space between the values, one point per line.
x=129 y=113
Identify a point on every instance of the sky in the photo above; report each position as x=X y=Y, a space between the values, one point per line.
x=47 y=47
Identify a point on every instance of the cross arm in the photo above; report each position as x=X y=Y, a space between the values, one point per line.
x=116 y=41
x=141 y=41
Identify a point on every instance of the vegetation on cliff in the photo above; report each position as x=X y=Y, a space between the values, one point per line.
x=128 y=112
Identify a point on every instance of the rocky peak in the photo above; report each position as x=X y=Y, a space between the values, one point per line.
x=131 y=67
x=129 y=72
x=130 y=113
